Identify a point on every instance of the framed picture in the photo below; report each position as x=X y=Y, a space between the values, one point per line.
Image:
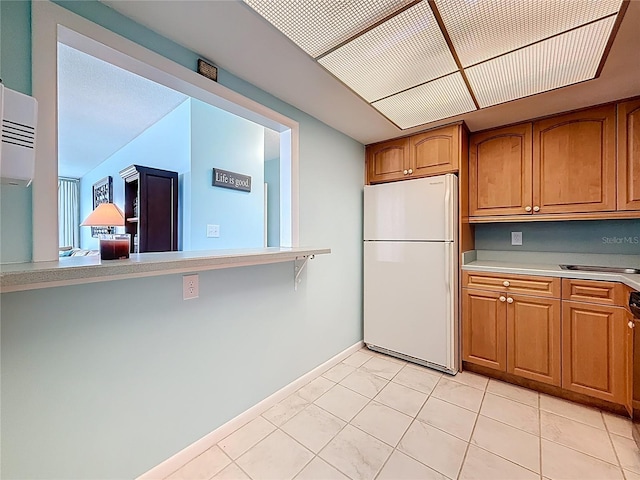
x=102 y=193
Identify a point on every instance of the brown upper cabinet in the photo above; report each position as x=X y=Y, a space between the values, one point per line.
x=500 y=171
x=561 y=167
x=629 y=155
x=429 y=153
x=388 y=161
x=574 y=162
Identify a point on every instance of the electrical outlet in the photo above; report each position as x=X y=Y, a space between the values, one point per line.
x=213 y=231
x=190 y=288
x=516 y=238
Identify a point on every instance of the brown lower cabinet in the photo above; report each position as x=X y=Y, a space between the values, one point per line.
x=512 y=333
x=582 y=346
x=594 y=350
x=484 y=328
x=533 y=338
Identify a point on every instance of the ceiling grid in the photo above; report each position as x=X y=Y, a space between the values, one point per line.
x=421 y=61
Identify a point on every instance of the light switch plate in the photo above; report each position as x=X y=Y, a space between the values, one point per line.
x=516 y=238
x=213 y=231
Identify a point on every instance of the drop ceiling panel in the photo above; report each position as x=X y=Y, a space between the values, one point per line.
x=563 y=60
x=403 y=52
x=480 y=30
x=442 y=98
x=317 y=26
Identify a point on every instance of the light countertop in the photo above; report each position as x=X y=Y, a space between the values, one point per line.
x=76 y=270
x=548 y=264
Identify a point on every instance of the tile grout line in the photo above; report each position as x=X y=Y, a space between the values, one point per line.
x=242 y=470
x=613 y=446
x=580 y=451
x=407 y=453
x=540 y=437
x=414 y=418
x=466 y=451
x=338 y=433
x=502 y=395
x=506 y=459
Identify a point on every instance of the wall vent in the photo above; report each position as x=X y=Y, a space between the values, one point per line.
x=17 y=152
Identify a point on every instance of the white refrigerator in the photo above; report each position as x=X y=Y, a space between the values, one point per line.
x=411 y=270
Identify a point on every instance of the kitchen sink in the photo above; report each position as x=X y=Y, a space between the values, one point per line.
x=591 y=268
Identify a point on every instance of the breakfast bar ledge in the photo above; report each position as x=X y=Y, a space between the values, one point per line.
x=15 y=277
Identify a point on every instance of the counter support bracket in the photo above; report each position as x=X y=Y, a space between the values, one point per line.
x=299 y=265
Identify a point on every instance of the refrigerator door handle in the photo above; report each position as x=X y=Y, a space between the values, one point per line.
x=447 y=274
x=447 y=209
x=450 y=258
x=450 y=206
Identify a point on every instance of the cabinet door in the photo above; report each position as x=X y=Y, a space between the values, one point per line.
x=533 y=338
x=484 y=340
x=500 y=171
x=594 y=340
x=387 y=161
x=435 y=152
x=629 y=155
x=574 y=162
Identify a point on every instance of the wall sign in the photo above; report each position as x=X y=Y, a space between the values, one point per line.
x=235 y=181
x=102 y=193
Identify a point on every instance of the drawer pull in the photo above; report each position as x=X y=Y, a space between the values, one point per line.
x=503 y=299
x=509 y=300
x=506 y=283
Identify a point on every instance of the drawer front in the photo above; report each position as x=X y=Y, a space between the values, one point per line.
x=593 y=291
x=522 y=284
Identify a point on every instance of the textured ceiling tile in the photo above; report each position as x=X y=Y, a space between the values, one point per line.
x=483 y=29
x=442 y=98
x=563 y=60
x=403 y=52
x=317 y=26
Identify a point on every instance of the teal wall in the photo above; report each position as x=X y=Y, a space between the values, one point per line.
x=165 y=145
x=593 y=236
x=106 y=380
x=15 y=72
x=222 y=140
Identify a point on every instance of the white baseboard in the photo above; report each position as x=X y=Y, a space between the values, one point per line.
x=173 y=463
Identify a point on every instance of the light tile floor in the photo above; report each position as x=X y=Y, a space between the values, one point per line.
x=377 y=417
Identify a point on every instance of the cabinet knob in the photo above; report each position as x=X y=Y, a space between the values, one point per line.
x=406 y=172
x=410 y=171
x=527 y=208
x=506 y=283
x=536 y=208
x=509 y=300
x=631 y=324
x=503 y=299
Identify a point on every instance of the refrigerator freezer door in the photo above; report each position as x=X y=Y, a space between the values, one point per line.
x=409 y=300
x=422 y=209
